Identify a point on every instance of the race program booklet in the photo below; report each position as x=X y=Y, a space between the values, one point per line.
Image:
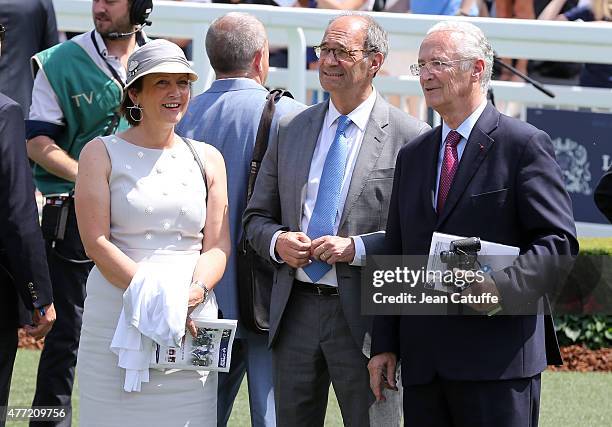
x=210 y=350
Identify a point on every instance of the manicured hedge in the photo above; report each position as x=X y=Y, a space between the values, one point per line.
x=595 y=245
x=592 y=269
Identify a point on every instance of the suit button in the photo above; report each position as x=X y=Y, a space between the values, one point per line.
x=30 y=285
x=291 y=272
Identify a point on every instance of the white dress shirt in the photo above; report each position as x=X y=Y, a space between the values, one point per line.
x=354 y=134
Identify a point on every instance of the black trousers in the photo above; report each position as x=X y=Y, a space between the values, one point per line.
x=8 y=349
x=58 y=359
x=501 y=403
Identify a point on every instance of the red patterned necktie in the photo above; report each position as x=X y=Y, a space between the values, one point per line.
x=449 y=167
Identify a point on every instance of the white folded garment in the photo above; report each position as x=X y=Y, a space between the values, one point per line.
x=154 y=310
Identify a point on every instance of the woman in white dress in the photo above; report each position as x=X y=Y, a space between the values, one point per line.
x=141 y=200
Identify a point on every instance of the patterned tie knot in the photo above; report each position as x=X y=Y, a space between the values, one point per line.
x=343 y=124
x=453 y=138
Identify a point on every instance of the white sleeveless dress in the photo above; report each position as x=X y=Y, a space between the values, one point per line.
x=157 y=206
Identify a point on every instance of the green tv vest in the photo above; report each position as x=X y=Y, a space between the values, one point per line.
x=89 y=100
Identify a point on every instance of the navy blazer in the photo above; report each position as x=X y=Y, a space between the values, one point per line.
x=603 y=195
x=24 y=275
x=508 y=189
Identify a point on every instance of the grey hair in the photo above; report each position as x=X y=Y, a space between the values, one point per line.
x=377 y=39
x=473 y=45
x=233 y=40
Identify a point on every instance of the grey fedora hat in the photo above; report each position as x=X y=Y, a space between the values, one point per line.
x=158 y=56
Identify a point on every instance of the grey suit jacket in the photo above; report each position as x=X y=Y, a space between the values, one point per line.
x=281 y=187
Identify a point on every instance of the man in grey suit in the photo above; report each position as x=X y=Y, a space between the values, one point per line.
x=227 y=116
x=320 y=201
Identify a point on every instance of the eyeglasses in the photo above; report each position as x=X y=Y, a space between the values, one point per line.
x=434 y=66
x=2 y=32
x=340 y=54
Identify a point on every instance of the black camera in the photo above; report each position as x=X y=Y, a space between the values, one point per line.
x=462 y=254
x=55 y=217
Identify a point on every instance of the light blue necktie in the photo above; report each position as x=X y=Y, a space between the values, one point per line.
x=326 y=207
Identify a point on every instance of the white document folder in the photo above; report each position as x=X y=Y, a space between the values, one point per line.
x=492 y=257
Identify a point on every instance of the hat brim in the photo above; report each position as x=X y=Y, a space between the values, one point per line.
x=168 y=68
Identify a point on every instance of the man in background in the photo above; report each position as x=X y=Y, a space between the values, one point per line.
x=31 y=27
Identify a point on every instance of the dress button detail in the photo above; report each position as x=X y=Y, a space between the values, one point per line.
x=140 y=154
x=159 y=169
x=148 y=236
x=179 y=236
x=128 y=167
x=173 y=155
x=166 y=225
x=184 y=183
x=149 y=210
x=183 y=211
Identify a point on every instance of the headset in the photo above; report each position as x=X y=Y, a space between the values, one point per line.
x=139 y=12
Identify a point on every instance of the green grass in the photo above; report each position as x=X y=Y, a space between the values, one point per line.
x=24 y=382
x=568 y=399
x=576 y=399
x=596 y=245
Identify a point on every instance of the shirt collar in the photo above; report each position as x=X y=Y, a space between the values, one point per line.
x=101 y=44
x=359 y=116
x=234 y=83
x=465 y=128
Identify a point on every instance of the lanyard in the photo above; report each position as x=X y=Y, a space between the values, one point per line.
x=109 y=66
x=116 y=117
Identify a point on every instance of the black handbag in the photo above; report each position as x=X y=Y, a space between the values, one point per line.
x=256 y=274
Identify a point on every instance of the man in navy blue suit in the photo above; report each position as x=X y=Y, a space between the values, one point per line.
x=24 y=276
x=227 y=116
x=482 y=174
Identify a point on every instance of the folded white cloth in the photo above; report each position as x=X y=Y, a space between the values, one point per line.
x=154 y=310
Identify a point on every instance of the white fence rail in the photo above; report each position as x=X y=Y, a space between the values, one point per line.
x=298 y=28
